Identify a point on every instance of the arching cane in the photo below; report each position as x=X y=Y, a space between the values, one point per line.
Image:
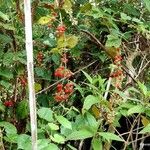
x=29 y=52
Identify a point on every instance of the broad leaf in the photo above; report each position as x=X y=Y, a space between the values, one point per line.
x=9 y=128
x=63 y=121
x=136 y=109
x=45 y=113
x=24 y=142
x=79 y=135
x=110 y=136
x=53 y=126
x=58 y=138
x=97 y=144
x=89 y=101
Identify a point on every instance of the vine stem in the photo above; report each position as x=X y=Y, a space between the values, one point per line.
x=29 y=52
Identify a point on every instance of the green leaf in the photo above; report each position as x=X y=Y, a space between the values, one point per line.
x=11 y=138
x=44 y=20
x=5 y=84
x=88 y=77
x=79 y=135
x=110 y=136
x=146 y=129
x=72 y=41
x=125 y=16
x=6 y=73
x=45 y=113
x=136 y=109
x=37 y=87
x=53 y=126
x=9 y=128
x=24 y=142
x=85 y=8
x=63 y=121
x=147 y=4
x=67 y=6
x=96 y=13
x=143 y=88
x=97 y=144
x=58 y=138
x=113 y=41
x=89 y=101
x=4 y=16
x=42 y=143
x=51 y=146
x=22 y=109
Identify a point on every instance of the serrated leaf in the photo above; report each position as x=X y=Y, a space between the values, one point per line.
x=110 y=136
x=45 y=113
x=79 y=135
x=63 y=121
x=136 y=109
x=89 y=101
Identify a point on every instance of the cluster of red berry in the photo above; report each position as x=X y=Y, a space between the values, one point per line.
x=118 y=74
x=63 y=72
x=63 y=92
x=23 y=81
x=60 y=30
x=40 y=57
x=9 y=103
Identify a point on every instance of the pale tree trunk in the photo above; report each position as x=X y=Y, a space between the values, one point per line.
x=29 y=51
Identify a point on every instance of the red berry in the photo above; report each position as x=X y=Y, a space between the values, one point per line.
x=23 y=81
x=59 y=87
x=8 y=103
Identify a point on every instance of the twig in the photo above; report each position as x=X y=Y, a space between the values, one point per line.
x=140 y=139
x=108 y=85
x=95 y=39
x=127 y=141
x=47 y=88
x=81 y=144
x=142 y=69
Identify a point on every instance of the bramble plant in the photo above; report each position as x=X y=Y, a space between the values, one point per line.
x=92 y=75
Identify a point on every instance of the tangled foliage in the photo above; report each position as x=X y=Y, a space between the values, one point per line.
x=92 y=75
